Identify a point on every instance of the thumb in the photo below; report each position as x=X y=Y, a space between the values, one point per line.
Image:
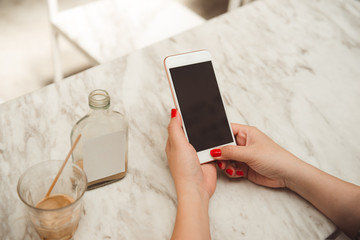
x=230 y=152
x=175 y=131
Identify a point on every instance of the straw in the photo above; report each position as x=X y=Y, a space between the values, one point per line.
x=62 y=167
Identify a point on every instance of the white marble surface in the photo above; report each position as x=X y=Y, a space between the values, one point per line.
x=289 y=67
x=108 y=29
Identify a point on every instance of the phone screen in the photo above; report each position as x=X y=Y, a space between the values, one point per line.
x=201 y=105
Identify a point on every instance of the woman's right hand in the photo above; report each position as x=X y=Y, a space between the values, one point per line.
x=264 y=162
x=257 y=158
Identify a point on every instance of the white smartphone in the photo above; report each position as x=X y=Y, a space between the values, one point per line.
x=197 y=98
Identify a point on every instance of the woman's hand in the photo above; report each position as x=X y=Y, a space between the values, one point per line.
x=257 y=158
x=184 y=163
x=264 y=162
x=194 y=183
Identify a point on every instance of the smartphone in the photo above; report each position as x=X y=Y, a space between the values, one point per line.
x=197 y=98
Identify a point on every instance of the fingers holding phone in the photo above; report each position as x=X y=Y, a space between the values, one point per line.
x=262 y=160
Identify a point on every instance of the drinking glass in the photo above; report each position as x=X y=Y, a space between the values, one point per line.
x=59 y=223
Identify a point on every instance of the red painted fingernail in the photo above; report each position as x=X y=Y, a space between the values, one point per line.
x=215 y=152
x=220 y=164
x=229 y=171
x=239 y=173
x=173 y=113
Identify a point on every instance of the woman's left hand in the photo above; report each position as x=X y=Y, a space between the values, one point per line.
x=184 y=164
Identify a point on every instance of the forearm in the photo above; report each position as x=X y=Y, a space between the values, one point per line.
x=192 y=218
x=337 y=199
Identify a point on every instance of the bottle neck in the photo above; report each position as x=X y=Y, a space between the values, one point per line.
x=99 y=100
x=96 y=109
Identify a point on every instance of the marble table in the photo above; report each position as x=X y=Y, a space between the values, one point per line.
x=289 y=67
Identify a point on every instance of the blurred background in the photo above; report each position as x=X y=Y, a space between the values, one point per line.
x=25 y=43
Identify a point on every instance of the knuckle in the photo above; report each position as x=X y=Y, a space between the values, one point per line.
x=170 y=127
x=227 y=151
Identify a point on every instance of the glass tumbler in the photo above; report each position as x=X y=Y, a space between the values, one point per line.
x=59 y=223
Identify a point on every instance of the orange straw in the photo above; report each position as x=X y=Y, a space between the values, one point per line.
x=62 y=167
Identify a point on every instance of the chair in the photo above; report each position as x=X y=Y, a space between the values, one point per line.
x=237 y=3
x=107 y=29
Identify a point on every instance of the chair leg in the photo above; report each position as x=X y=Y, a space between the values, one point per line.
x=233 y=4
x=58 y=74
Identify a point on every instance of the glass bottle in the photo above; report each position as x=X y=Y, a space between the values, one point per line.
x=103 y=147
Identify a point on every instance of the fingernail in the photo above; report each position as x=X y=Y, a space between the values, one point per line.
x=220 y=164
x=229 y=171
x=239 y=173
x=215 y=152
x=173 y=113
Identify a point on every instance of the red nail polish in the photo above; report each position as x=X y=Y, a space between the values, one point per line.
x=220 y=164
x=239 y=173
x=215 y=152
x=229 y=171
x=173 y=113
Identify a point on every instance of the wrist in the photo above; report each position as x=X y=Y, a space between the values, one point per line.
x=298 y=170
x=192 y=193
x=192 y=217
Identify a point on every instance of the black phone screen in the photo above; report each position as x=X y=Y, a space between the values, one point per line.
x=201 y=105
